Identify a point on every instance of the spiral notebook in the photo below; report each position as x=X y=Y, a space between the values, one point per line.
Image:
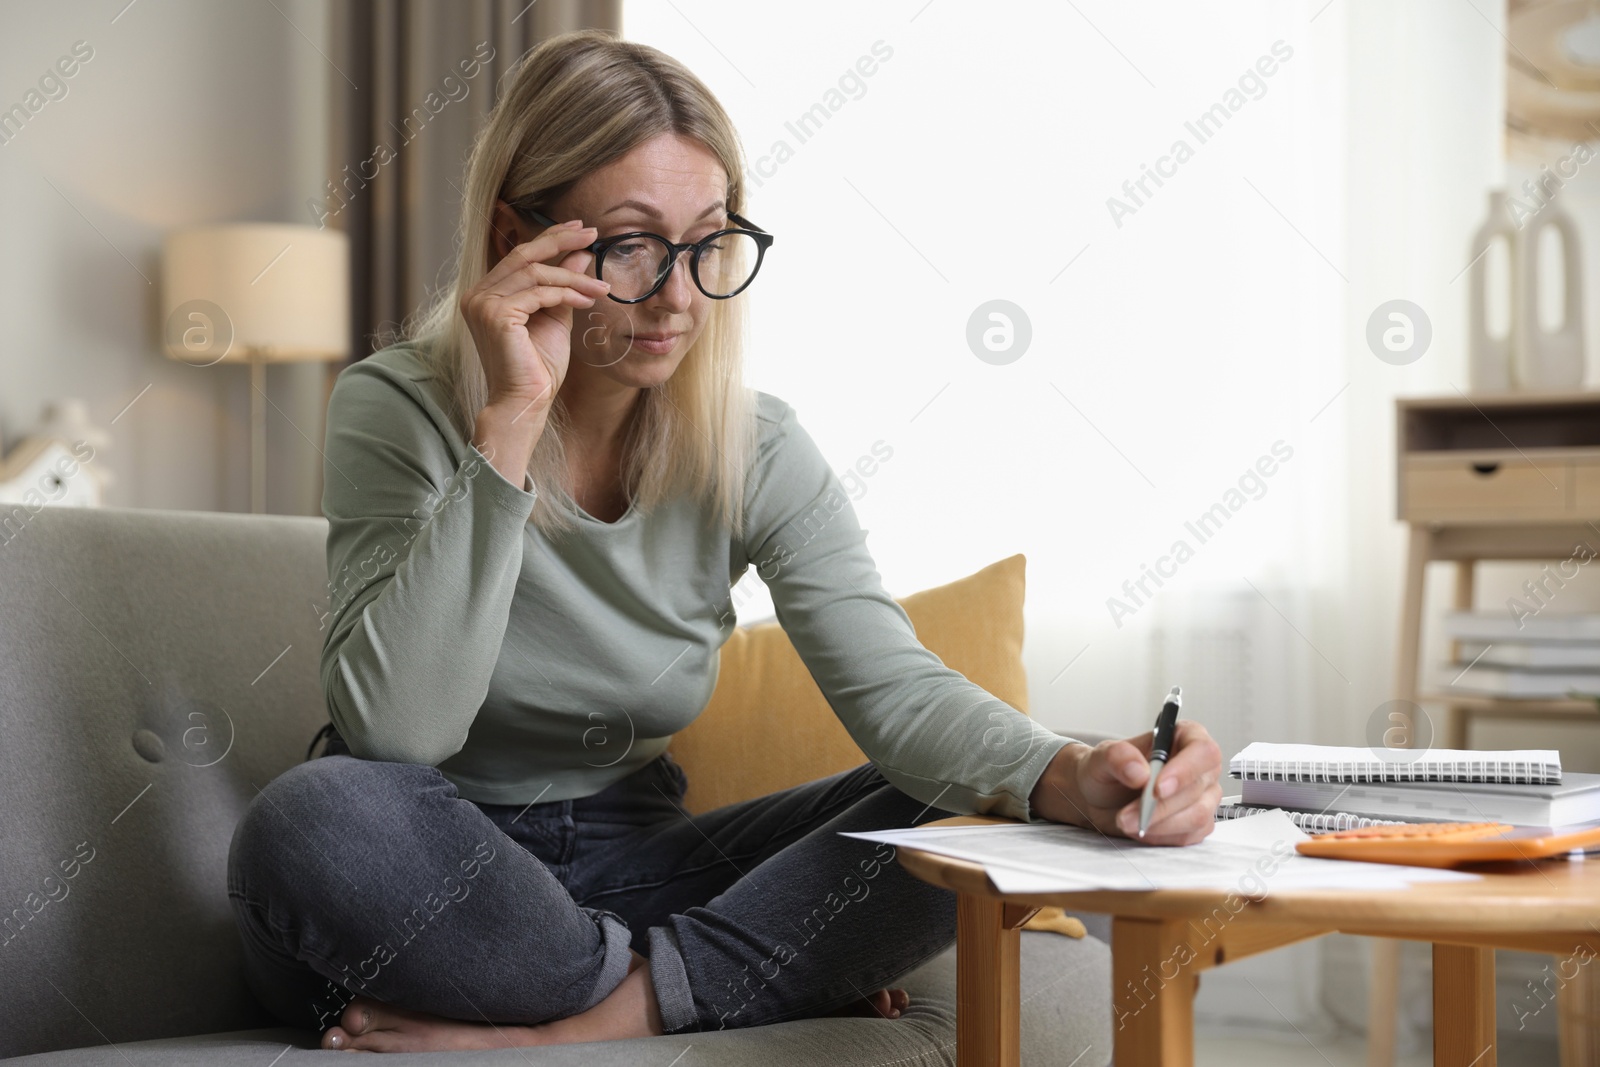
x=1311 y=822
x=1575 y=800
x=1266 y=762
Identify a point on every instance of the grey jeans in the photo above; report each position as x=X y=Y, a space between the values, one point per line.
x=355 y=876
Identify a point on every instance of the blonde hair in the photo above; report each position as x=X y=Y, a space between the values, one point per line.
x=577 y=102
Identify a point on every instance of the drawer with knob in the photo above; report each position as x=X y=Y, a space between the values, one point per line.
x=1460 y=488
x=1498 y=459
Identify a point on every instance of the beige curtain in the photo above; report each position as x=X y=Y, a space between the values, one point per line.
x=416 y=80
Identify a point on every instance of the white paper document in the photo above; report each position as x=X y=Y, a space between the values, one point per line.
x=1253 y=856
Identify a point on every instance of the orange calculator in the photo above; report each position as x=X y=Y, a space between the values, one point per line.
x=1447 y=844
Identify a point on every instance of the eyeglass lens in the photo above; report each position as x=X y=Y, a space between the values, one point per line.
x=633 y=267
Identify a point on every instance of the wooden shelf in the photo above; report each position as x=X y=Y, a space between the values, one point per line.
x=1452 y=457
x=1536 y=707
x=1517 y=421
x=1491 y=401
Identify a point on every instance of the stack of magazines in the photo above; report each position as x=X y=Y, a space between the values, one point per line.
x=1324 y=788
x=1521 y=655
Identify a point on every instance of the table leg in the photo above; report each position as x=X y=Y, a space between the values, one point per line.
x=1463 y=1006
x=1418 y=551
x=1152 y=992
x=1457 y=719
x=988 y=980
x=1578 y=1005
x=1383 y=998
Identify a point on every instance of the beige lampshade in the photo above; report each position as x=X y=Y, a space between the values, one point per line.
x=276 y=291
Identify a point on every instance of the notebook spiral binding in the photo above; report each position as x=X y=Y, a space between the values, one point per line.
x=1310 y=822
x=1422 y=769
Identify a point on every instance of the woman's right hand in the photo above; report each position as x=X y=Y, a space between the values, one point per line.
x=520 y=316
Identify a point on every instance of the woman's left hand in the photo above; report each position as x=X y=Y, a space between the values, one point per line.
x=1100 y=787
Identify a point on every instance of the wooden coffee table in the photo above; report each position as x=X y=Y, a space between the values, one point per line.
x=1161 y=940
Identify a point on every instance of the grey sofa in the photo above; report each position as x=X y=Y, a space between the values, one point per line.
x=160 y=667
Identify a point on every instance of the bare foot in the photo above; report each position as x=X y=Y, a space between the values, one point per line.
x=885 y=1003
x=373 y=1026
x=368 y=1025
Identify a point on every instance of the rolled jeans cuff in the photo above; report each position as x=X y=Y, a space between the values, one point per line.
x=671 y=981
x=618 y=939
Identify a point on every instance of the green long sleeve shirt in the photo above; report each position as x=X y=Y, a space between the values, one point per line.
x=529 y=668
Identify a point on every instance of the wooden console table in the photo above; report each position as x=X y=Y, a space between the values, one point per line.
x=1480 y=477
x=1515 y=477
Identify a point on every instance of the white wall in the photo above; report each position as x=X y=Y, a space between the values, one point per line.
x=1171 y=354
x=189 y=111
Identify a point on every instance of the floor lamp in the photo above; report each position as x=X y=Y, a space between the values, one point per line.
x=256 y=293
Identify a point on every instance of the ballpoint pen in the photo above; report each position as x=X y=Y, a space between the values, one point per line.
x=1160 y=750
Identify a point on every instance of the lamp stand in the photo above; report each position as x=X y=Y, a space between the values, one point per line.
x=258 y=433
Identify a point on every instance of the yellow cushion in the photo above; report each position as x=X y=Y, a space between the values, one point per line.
x=1055 y=921
x=768 y=727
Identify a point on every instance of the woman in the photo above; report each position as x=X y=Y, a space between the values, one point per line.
x=538 y=504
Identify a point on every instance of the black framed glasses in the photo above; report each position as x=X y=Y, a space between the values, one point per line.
x=638 y=264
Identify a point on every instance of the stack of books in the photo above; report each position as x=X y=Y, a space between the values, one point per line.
x=1324 y=788
x=1550 y=657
